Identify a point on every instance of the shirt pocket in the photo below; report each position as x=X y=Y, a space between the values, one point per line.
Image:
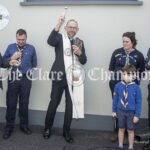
x=27 y=57
x=120 y=61
x=132 y=60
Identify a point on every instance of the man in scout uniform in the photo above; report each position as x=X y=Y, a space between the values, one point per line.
x=19 y=83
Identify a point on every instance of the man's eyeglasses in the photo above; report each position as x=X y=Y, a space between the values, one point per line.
x=23 y=40
x=72 y=28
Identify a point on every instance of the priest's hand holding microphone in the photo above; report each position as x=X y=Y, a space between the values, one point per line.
x=76 y=50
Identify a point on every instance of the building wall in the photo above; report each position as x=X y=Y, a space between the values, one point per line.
x=101 y=28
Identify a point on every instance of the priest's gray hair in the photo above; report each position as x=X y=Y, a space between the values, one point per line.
x=72 y=20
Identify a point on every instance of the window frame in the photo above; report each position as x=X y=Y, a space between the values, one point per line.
x=80 y=2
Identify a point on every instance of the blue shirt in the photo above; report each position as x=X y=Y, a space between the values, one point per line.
x=28 y=59
x=127 y=96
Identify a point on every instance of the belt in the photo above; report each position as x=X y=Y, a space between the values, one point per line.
x=21 y=75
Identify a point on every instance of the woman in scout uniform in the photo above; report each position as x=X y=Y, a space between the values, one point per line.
x=126 y=55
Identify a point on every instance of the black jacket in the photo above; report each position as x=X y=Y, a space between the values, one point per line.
x=3 y=64
x=118 y=60
x=55 y=40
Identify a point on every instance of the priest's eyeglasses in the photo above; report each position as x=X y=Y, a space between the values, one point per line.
x=72 y=28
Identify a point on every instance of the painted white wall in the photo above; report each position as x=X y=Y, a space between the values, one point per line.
x=101 y=28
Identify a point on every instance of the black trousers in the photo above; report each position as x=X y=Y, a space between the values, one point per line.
x=149 y=104
x=17 y=90
x=112 y=84
x=56 y=94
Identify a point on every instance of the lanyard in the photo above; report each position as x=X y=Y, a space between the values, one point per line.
x=20 y=50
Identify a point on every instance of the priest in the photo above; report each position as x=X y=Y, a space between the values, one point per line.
x=67 y=75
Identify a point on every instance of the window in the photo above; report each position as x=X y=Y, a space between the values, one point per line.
x=81 y=2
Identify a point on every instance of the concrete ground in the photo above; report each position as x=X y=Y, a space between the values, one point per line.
x=83 y=140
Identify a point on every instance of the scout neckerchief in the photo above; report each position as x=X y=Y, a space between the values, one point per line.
x=128 y=56
x=20 y=49
x=76 y=92
x=124 y=100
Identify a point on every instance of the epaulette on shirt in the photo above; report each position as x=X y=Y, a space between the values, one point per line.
x=118 y=55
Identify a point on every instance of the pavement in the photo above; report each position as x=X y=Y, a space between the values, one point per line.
x=83 y=140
